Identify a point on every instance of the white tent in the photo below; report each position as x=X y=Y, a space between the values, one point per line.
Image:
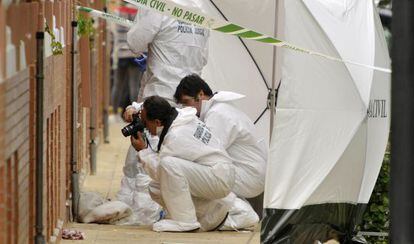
x=332 y=119
x=332 y=122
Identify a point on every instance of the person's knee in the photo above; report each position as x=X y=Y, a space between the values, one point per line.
x=169 y=164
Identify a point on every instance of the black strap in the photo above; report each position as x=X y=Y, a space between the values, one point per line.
x=167 y=126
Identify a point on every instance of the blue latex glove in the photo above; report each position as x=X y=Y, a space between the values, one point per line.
x=141 y=61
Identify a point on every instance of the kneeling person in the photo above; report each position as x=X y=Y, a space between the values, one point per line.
x=234 y=130
x=189 y=164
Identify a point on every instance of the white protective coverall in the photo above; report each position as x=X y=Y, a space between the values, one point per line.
x=192 y=168
x=175 y=49
x=236 y=133
x=134 y=187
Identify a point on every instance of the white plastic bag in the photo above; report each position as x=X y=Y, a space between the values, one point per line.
x=93 y=208
x=87 y=202
x=108 y=213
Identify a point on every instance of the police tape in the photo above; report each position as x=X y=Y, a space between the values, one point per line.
x=106 y=16
x=179 y=12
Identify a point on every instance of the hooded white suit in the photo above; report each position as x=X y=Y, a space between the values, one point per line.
x=175 y=49
x=191 y=167
x=236 y=133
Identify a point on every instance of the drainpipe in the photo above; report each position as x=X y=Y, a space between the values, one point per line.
x=74 y=111
x=106 y=82
x=93 y=141
x=39 y=238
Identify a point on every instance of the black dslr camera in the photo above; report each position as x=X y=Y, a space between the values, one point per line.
x=134 y=127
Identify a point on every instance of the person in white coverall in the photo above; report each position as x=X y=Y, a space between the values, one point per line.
x=189 y=164
x=234 y=130
x=175 y=49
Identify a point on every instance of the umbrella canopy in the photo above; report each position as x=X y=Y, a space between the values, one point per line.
x=243 y=66
x=332 y=122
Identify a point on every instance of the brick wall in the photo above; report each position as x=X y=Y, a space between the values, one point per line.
x=15 y=171
x=18 y=119
x=18 y=171
x=3 y=192
x=93 y=58
x=55 y=142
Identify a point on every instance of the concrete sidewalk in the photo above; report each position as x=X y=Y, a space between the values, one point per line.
x=110 y=160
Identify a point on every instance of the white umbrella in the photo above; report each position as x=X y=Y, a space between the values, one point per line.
x=332 y=122
x=240 y=65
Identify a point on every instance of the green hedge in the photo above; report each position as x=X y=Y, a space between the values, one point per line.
x=377 y=215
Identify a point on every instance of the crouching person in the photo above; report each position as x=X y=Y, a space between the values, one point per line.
x=236 y=133
x=192 y=174
x=233 y=128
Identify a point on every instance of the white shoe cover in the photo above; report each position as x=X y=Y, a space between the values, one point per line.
x=174 y=226
x=212 y=213
x=241 y=216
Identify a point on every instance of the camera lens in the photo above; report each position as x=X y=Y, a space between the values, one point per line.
x=133 y=128
x=127 y=130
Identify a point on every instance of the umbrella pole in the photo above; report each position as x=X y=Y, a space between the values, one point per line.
x=274 y=77
x=402 y=128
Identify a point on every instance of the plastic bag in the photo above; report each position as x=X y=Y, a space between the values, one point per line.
x=108 y=213
x=93 y=208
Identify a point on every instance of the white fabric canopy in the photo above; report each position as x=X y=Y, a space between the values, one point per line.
x=325 y=147
x=242 y=66
x=323 y=138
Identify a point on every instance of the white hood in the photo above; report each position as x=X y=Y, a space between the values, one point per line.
x=226 y=96
x=222 y=96
x=185 y=115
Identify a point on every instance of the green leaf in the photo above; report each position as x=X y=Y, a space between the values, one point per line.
x=57 y=48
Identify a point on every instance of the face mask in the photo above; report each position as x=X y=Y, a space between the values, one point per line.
x=205 y=105
x=159 y=130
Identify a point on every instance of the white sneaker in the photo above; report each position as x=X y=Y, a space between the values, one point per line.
x=174 y=226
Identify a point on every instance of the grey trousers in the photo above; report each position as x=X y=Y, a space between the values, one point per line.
x=126 y=84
